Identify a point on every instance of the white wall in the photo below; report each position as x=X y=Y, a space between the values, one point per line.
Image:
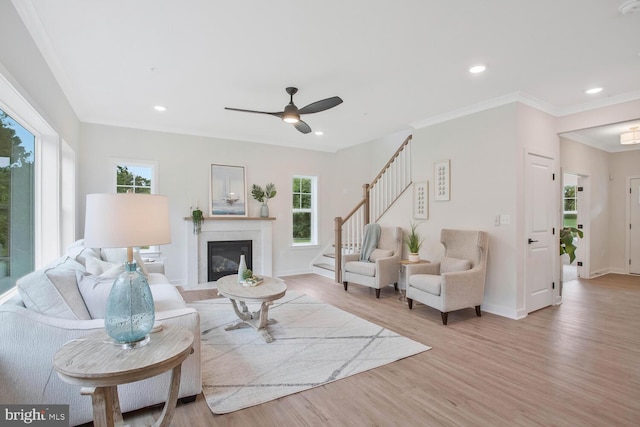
x=183 y=168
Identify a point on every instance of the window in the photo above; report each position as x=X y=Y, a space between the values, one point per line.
x=137 y=177
x=17 y=201
x=570 y=206
x=304 y=210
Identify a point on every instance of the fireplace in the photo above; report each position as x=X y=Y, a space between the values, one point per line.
x=223 y=257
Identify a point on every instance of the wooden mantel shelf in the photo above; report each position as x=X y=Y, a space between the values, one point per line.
x=233 y=218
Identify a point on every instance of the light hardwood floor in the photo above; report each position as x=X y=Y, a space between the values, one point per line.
x=576 y=364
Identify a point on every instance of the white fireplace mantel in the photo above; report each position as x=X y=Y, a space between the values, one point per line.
x=258 y=230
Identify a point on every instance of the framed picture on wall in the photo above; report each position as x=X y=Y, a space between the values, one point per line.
x=421 y=200
x=441 y=184
x=227 y=191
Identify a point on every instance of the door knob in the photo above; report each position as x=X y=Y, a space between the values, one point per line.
x=532 y=241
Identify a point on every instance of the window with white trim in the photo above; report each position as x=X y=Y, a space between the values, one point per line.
x=17 y=201
x=305 y=210
x=136 y=176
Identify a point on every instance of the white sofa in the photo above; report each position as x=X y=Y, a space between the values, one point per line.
x=65 y=301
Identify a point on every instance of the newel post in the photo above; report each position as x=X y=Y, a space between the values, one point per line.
x=337 y=246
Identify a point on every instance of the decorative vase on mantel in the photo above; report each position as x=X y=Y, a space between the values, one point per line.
x=264 y=211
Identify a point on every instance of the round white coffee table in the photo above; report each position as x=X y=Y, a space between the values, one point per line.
x=269 y=290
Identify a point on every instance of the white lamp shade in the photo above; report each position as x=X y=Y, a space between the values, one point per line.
x=126 y=220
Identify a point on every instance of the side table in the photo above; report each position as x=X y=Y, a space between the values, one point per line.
x=99 y=365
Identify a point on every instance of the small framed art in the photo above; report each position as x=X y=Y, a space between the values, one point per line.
x=421 y=200
x=441 y=185
x=227 y=191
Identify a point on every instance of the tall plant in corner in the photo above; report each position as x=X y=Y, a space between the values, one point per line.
x=263 y=196
x=567 y=236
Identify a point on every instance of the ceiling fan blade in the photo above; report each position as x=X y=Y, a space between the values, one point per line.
x=278 y=114
x=322 y=105
x=302 y=126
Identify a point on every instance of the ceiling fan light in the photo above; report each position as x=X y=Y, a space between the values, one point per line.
x=629 y=138
x=291 y=118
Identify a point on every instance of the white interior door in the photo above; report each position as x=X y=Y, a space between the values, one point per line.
x=634 y=227
x=540 y=222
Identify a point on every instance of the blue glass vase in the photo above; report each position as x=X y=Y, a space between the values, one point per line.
x=130 y=310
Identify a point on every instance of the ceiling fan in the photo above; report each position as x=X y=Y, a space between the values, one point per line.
x=291 y=113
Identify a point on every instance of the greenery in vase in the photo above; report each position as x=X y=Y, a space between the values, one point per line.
x=247 y=274
x=261 y=195
x=567 y=234
x=413 y=240
x=197 y=217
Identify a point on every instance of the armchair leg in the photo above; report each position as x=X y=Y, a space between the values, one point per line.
x=410 y=303
x=444 y=317
x=378 y=293
x=478 y=312
x=395 y=286
x=345 y=285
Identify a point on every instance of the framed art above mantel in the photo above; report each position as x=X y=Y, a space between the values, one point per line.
x=227 y=191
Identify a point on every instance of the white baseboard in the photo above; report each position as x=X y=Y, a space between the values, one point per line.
x=502 y=311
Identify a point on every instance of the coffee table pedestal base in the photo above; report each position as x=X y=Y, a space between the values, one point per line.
x=257 y=319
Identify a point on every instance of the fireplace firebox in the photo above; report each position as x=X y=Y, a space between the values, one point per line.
x=223 y=257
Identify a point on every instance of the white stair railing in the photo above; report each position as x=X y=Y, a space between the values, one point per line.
x=378 y=197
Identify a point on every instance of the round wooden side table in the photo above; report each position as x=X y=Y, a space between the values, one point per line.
x=99 y=365
x=265 y=293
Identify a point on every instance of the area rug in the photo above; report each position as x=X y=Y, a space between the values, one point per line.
x=314 y=344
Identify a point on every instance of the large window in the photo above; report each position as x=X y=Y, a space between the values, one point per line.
x=304 y=210
x=17 y=196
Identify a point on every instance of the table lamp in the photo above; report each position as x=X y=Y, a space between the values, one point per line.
x=128 y=221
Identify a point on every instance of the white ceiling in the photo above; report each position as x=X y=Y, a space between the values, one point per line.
x=395 y=64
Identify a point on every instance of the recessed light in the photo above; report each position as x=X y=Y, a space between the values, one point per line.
x=593 y=90
x=160 y=108
x=477 y=68
x=319 y=132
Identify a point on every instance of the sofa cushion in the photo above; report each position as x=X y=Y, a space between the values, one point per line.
x=449 y=264
x=380 y=253
x=53 y=290
x=363 y=268
x=429 y=283
x=80 y=253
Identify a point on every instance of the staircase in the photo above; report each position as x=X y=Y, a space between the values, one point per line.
x=378 y=196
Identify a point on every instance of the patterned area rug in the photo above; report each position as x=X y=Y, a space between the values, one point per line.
x=314 y=344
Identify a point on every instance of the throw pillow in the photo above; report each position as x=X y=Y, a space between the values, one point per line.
x=95 y=292
x=380 y=253
x=449 y=264
x=53 y=291
x=106 y=269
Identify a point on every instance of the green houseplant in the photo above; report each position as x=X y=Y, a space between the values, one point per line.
x=263 y=196
x=414 y=242
x=567 y=235
x=197 y=217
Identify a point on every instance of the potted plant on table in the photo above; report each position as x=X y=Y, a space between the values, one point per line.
x=414 y=243
x=263 y=197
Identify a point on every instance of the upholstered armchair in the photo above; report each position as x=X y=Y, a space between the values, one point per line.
x=382 y=268
x=457 y=281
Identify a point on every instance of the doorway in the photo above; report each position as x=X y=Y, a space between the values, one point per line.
x=575 y=214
